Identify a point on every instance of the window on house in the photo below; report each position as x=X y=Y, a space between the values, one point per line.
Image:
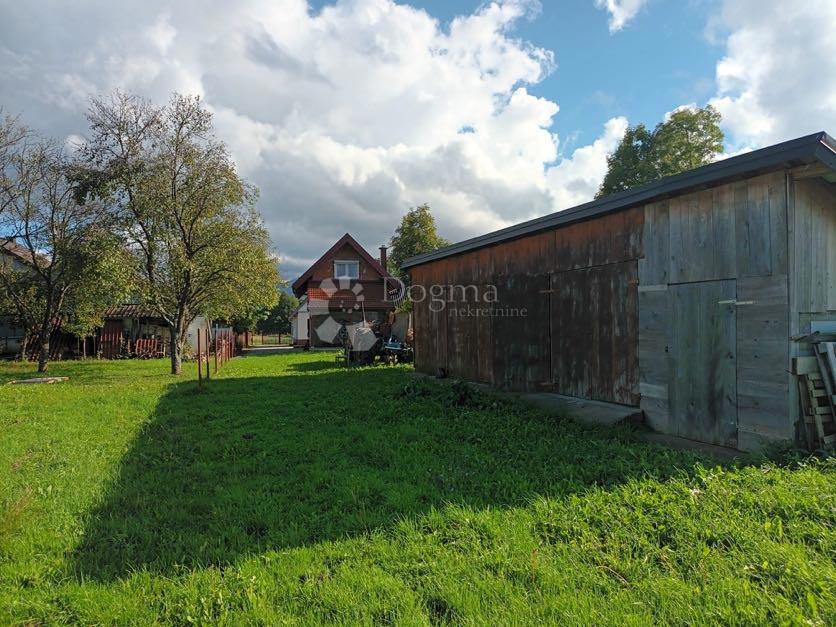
x=346 y=269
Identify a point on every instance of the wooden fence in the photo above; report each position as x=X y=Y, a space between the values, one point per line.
x=222 y=348
x=270 y=339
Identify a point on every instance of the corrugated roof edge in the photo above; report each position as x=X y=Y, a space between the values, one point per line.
x=818 y=146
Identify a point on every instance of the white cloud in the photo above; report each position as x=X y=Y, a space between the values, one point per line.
x=691 y=106
x=621 y=11
x=343 y=117
x=576 y=179
x=777 y=79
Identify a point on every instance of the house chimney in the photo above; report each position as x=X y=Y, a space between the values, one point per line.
x=383 y=257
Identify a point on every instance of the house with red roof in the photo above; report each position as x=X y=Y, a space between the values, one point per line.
x=345 y=286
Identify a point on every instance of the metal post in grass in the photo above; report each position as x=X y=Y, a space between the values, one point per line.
x=216 y=351
x=199 y=365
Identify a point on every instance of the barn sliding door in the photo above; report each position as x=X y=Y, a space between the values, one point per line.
x=521 y=333
x=703 y=358
x=594 y=333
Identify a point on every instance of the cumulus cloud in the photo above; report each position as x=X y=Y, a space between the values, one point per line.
x=777 y=79
x=343 y=117
x=621 y=11
x=577 y=178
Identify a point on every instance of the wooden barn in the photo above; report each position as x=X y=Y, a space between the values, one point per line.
x=679 y=297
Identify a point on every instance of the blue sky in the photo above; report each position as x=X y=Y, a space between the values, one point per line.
x=658 y=61
x=661 y=59
x=346 y=113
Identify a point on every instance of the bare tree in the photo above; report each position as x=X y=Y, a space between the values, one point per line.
x=200 y=247
x=13 y=136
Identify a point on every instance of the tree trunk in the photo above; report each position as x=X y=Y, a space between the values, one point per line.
x=43 y=356
x=22 y=353
x=176 y=350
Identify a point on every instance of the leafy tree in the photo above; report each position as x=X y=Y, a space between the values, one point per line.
x=688 y=139
x=416 y=234
x=67 y=262
x=198 y=243
x=278 y=318
x=107 y=279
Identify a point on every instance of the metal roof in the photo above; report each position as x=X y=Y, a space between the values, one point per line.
x=130 y=310
x=10 y=246
x=816 y=147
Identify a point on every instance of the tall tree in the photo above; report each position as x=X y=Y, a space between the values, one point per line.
x=278 y=318
x=66 y=258
x=416 y=234
x=200 y=246
x=688 y=139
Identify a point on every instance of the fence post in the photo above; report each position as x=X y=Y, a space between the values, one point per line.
x=216 y=351
x=207 y=352
x=199 y=364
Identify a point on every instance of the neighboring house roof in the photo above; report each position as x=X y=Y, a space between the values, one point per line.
x=130 y=311
x=804 y=150
x=345 y=239
x=14 y=249
x=317 y=293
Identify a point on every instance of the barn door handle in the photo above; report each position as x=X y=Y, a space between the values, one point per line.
x=736 y=302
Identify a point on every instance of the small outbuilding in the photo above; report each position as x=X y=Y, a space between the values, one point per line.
x=679 y=297
x=134 y=330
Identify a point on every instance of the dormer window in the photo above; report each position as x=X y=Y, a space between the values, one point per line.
x=347 y=269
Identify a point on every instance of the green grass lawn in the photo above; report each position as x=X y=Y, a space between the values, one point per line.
x=289 y=490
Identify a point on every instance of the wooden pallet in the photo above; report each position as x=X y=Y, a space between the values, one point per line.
x=816 y=376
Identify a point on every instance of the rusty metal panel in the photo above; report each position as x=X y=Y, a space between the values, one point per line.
x=521 y=358
x=594 y=316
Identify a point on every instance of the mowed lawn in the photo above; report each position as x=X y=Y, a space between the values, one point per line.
x=289 y=490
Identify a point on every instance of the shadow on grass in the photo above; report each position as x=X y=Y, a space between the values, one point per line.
x=90 y=370
x=328 y=362
x=269 y=351
x=250 y=464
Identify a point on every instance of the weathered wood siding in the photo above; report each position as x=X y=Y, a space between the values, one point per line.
x=594 y=328
x=814 y=246
x=702 y=362
x=683 y=306
x=544 y=275
x=732 y=231
x=812 y=285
